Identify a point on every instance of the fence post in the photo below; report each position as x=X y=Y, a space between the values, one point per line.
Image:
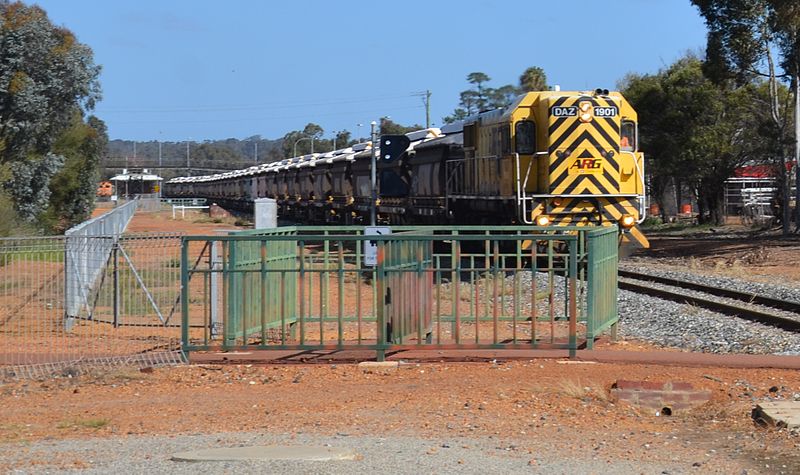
x=216 y=265
x=573 y=298
x=379 y=281
x=114 y=250
x=185 y=298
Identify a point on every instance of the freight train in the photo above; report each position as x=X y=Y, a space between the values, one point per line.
x=551 y=158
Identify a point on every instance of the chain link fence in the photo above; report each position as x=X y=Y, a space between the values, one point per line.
x=94 y=298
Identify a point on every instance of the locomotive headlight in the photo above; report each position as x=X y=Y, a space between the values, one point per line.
x=542 y=220
x=585 y=108
x=627 y=221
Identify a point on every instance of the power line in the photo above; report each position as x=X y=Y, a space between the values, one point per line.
x=243 y=119
x=276 y=105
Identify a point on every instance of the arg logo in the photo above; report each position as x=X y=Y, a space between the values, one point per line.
x=587 y=164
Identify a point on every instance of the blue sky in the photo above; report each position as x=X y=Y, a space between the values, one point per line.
x=195 y=70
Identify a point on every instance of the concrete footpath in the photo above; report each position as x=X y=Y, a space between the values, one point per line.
x=672 y=358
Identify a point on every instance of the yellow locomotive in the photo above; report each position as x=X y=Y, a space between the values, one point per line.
x=564 y=158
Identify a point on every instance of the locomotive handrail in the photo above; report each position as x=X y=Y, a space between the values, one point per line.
x=643 y=196
x=522 y=198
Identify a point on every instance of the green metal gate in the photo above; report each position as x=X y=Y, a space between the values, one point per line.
x=468 y=287
x=406 y=279
x=260 y=293
x=601 y=266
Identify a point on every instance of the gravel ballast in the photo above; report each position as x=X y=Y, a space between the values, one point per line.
x=691 y=328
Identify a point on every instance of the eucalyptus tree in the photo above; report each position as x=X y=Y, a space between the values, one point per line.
x=300 y=141
x=481 y=97
x=743 y=38
x=46 y=76
x=73 y=188
x=694 y=132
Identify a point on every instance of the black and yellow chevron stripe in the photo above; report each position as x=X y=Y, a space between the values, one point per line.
x=573 y=143
x=586 y=211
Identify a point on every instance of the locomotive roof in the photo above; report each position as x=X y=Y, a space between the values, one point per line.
x=523 y=100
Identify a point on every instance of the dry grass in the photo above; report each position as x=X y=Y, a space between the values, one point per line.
x=11 y=432
x=692 y=310
x=90 y=423
x=572 y=388
x=580 y=390
x=599 y=391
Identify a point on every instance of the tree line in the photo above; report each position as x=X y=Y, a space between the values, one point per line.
x=703 y=117
x=235 y=153
x=50 y=144
x=481 y=96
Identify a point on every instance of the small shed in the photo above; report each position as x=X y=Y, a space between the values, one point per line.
x=136 y=182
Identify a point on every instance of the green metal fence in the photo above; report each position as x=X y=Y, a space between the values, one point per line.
x=601 y=266
x=257 y=293
x=309 y=288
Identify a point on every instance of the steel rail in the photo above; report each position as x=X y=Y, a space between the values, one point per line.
x=746 y=313
x=727 y=293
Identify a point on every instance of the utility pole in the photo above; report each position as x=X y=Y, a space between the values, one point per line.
x=188 y=170
x=255 y=156
x=373 y=175
x=426 y=99
x=159 y=154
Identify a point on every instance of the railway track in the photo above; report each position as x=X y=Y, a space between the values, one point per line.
x=755 y=307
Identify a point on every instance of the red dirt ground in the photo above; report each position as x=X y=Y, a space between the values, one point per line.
x=521 y=401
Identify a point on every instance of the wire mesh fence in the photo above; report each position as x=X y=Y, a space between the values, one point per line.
x=149 y=203
x=92 y=298
x=87 y=249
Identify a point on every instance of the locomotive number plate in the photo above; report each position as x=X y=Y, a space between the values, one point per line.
x=560 y=111
x=605 y=111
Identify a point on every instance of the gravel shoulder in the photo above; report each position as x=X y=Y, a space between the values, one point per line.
x=400 y=455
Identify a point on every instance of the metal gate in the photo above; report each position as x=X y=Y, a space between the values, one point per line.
x=406 y=283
